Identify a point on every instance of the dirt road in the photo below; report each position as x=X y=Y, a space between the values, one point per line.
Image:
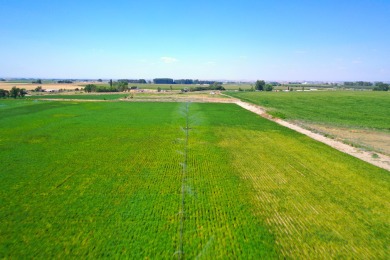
x=380 y=160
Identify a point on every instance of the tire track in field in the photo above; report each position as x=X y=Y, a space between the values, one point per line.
x=180 y=252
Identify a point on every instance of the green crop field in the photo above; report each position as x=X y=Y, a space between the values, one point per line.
x=367 y=109
x=179 y=180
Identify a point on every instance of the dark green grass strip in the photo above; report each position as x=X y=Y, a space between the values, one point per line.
x=367 y=109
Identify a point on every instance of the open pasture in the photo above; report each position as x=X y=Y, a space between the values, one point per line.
x=360 y=118
x=361 y=109
x=179 y=180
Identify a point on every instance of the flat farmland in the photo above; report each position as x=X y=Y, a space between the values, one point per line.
x=31 y=86
x=179 y=180
x=360 y=118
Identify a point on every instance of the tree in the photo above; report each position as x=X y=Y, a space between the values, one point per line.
x=22 y=92
x=38 y=89
x=122 y=85
x=163 y=81
x=4 y=93
x=269 y=87
x=260 y=84
x=110 y=82
x=15 y=92
x=38 y=81
x=100 y=80
x=90 y=88
x=380 y=86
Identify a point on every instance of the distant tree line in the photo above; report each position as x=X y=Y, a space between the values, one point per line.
x=163 y=81
x=38 y=81
x=294 y=83
x=119 y=86
x=14 y=92
x=380 y=86
x=377 y=86
x=66 y=81
x=134 y=81
x=214 y=86
x=183 y=81
x=358 y=83
x=262 y=86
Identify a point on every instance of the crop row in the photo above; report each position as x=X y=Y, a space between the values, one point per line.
x=316 y=201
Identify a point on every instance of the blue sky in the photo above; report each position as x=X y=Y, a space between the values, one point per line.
x=213 y=39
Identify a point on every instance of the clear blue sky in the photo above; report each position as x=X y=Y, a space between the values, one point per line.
x=204 y=39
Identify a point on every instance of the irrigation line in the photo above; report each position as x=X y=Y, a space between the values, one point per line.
x=183 y=182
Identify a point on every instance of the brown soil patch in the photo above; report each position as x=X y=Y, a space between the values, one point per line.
x=30 y=86
x=365 y=138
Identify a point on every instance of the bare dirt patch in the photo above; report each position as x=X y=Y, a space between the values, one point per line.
x=366 y=138
x=178 y=97
x=31 y=86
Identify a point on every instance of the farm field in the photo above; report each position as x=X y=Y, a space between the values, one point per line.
x=86 y=96
x=46 y=85
x=182 y=180
x=138 y=96
x=53 y=85
x=357 y=117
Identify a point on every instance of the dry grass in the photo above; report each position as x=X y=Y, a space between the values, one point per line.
x=372 y=139
x=31 y=86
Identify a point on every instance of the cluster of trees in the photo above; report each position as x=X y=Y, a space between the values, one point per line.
x=182 y=81
x=4 y=93
x=262 y=86
x=39 y=89
x=214 y=86
x=65 y=81
x=358 y=84
x=119 y=86
x=294 y=83
x=14 y=92
x=38 y=81
x=204 y=82
x=134 y=81
x=163 y=81
x=1 y=79
x=380 y=86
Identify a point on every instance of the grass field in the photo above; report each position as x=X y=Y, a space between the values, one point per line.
x=185 y=180
x=357 y=109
